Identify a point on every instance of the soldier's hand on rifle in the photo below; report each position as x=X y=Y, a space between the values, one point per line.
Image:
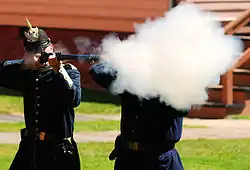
x=31 y=61
x=54 y=63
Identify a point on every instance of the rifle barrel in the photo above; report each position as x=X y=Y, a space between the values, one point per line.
x=77 y=56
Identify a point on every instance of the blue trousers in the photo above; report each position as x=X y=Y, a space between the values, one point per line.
x=48 y=156
x=130 y=160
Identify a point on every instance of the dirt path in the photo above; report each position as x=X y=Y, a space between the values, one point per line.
x=79 y=117
x=226 y=129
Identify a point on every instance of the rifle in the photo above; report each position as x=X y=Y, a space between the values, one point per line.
x=85 y=57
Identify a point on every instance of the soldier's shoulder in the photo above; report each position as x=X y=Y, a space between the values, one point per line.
x=69 y=66
x=12 y=62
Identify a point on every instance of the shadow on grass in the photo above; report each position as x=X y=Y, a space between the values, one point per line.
x=88 y=95
x=8 y=92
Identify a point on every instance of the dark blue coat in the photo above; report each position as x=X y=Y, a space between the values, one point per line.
x=49 y=101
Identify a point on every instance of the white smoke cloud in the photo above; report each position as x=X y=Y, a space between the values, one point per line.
x=174 y=57
x=60 y=47
x=82 y=43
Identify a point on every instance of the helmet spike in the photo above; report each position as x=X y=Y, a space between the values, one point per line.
x=28 y=24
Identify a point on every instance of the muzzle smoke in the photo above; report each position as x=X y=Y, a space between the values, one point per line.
x=175 y=57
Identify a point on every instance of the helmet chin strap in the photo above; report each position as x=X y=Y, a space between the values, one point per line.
x=47 y=67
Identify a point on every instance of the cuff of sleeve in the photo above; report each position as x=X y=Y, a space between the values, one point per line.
x=66 y=76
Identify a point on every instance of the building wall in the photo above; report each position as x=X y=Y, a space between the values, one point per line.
x=109 y=15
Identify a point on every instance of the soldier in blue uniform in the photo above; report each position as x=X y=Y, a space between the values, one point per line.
x=50 y=92
x=149 y=130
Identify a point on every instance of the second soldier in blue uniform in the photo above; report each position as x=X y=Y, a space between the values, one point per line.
x=149 y=130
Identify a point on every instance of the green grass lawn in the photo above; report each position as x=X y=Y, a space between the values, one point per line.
x=11 y=104
x=80 y=126
x=215 y=154
x=239 y=117
x=196 y=155
x=97 y=108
